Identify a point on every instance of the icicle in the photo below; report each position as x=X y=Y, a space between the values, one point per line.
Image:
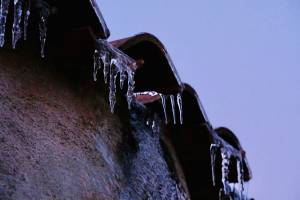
x=26 y=18
x=240 y=173
x=225 y=169
x=239 y=178
x=179 y=104
x=164 y=105
x=97 y=64
x=112 y=85
x=43 y=34
x=104 y=58
x=213 y=150
x=172 y=98
x=3 y=16
x=16 y=29
x=130 y=88
x=121 y=65
x=122 y=78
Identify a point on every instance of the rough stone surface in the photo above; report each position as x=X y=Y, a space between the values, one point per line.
x=58 y=139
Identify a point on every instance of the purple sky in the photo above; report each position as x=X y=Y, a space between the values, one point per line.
x=243 y=58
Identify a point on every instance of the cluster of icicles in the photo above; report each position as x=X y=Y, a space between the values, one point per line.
x=233 y=190
x=21 y=9
x=114 y=63
x=175 y=100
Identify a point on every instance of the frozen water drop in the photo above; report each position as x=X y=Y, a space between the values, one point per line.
x=172 y=98
x=179 y=104
x=3 y=16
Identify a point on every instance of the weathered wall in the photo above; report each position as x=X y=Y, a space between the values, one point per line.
x=58 y=139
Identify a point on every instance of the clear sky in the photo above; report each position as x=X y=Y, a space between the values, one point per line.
x=243 y=58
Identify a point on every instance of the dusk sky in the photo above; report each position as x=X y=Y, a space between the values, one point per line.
x=243 y=58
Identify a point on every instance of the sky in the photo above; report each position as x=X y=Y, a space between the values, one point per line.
x=243 y=58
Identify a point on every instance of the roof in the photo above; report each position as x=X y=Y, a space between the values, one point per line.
x=84 y=24
x=147 y=47
x=192 y=140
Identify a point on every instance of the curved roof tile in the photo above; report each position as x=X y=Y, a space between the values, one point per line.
x=147 y=47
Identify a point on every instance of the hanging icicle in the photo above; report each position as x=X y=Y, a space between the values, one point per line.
x=16 y=29
x=97 y=64
x=239 y=179
x=130 y=89
x=172 y=98
x=164 y=106
x=114 y=63
x=229 y=190
x=3 y=17
x=105 y=60
x=179 y=104
x=112 y=84
x=101 y=59
x=213 y=152
x=26 y=18
x=22 y=8
x=173 y=107
x=225 y=170
x=43 y=33
x=164 y=97
x=122 y=78
x=240 y=173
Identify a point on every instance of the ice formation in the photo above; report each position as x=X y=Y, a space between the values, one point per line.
x=233 y=190
x=164 y=105
x=179 y=104
x=43 y=33
x=3 y=16
x=16 y=29
x=225 y=170
x=26 y=18
x=213 y=152
x=175 y=102
x=173 y=106
x=172 y=98
x=21 y=9
x=115 y=63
